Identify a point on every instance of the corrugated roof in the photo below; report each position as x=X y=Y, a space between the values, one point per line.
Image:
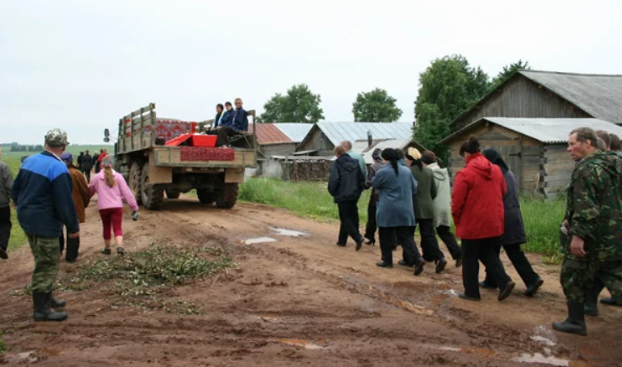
x=598 y=95
x=270 y=134
x=296 y=132
x=549 y=131
x=390 y=143
x=337 y=132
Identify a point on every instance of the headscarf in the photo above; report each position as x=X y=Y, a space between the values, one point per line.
x=67 y=158
x=415 y=156
x=391 y=156
x=377 y=155
x=495 y=158
x=108 y=161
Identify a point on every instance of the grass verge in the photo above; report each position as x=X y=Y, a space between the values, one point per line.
x=542 y=217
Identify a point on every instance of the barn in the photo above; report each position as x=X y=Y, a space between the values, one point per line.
x=533 y=148
x=543 y=94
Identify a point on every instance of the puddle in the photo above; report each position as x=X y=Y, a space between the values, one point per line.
x=254 y=241
x=407 y=306
x=543 y=340
x=268 y=318
x=288 y=232
x=450 y=292
x=539 y=358
x=301 y=343
x=21 y=358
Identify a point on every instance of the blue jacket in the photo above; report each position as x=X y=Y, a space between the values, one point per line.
x=42 y=191
x=226 y=119
x=395 y=206
x=240 y=120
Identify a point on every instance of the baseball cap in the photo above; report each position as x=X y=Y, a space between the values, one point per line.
x=56 y=138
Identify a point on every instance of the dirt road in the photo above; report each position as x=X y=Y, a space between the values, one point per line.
x=296 y=301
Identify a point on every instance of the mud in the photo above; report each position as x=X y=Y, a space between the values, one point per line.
x=300 y=300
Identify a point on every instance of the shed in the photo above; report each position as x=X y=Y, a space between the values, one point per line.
x=544 y=94
x=324 y=136
x=534 y=149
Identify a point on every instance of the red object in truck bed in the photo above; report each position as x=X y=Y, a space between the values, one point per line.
x=207 y=154
x=178 y=140
x=208 y=141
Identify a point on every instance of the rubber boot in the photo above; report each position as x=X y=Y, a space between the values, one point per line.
x=591 y=301
x=56 y=303
x=575 y=323
x=43 y=312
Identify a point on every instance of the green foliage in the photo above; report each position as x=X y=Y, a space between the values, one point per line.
x=508 y=71
x=2 y=344
x=375 y=106
x=542 y=217
x=298 y=105
x=447 y=88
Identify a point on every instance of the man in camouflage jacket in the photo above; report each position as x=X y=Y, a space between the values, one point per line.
x=592 y=227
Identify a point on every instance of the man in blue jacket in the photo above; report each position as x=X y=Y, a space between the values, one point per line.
x=42 y=192
x=238 y=123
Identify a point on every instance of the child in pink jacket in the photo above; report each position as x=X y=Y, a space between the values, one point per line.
x=111 y=189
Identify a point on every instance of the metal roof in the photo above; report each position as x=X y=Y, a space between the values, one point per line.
x=549 y=131
x=390 y=143
x=337 y=132
x=296 y=132
x=270 y=134
x=598 y=95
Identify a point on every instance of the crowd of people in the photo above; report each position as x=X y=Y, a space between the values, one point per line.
x=228 y=122
x=51 y=194
x=411 y=190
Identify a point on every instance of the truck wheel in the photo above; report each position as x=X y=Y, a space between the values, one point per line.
x=172 y=194
x=151 y=195
x=134 y=181
x=228 y=196
x=206 y=197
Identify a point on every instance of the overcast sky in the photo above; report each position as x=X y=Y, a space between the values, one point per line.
x=81 y=65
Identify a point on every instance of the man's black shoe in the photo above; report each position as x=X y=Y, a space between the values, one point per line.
x=419 y=266
x=382 y=264
x=464 y=296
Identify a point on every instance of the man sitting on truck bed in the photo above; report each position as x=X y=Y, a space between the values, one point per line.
x=238 y=124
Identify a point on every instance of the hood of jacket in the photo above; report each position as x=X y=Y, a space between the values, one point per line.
x=607 y=161
x=480 y=165
x=440 y=174
x=347 y=163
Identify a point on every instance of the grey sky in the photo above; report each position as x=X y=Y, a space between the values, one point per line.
x=80 y=65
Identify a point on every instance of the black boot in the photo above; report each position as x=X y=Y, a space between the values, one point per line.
x=43 y=312
x=55 y=303
x=611 y=302
x=591 y=301
x=575 y=323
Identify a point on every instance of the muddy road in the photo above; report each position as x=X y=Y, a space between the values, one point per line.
x=295 y=301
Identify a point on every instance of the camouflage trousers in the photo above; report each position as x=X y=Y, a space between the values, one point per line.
x=46 y=252
x=578 y=275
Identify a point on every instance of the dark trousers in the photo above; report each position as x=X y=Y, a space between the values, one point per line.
x=349 y=217
x=520 y=262
x=444 y=232
x=370 y=229
x=404 y=237
x=87 y=174
x=482 y=250
x=5 y=227
x=429 y=243
x=222 y=135
x=73 y=245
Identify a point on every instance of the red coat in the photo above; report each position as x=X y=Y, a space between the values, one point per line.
x=477 y=199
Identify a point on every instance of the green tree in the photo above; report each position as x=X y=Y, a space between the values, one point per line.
x=375 y=106
x=447 y=88
x=298 y=105
x=508 y=71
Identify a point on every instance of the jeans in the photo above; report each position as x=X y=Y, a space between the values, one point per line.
x=404 y=237
x=349 y=217
x=482 y=250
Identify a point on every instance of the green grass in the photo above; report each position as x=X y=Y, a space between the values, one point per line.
x=13 y=159
x=542 y=217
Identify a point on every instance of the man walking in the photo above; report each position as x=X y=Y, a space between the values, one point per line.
x=357 y=157
x=42 y=192
x=592 y=227
x=346 y=183
x=6 y=183
x=86 y=166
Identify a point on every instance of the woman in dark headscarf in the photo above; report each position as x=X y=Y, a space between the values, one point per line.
x=514 y=230
x=370 y=230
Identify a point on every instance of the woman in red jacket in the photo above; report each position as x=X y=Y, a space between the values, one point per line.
x=477 y=208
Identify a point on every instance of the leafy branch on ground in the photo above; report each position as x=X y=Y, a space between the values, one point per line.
x=139 y=278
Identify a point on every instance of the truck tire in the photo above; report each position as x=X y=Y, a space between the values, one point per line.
x=134 y=181
x=151 y=195
x=228 y=196
x=206 y=197
x=172 y=194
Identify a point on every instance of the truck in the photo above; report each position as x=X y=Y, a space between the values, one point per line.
x=153 y=169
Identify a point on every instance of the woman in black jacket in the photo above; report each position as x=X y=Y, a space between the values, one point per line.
x=514 y=230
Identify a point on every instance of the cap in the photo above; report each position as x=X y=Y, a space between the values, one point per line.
x=414 y=152
x=67 y=158
x=56 y=138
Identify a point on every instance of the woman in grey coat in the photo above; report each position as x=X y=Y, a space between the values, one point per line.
x=514 y=234
x=395 y=216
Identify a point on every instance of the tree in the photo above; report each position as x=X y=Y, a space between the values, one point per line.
x=448 y=87
x=375 y=106
x=508 y=71
x=298 y=105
